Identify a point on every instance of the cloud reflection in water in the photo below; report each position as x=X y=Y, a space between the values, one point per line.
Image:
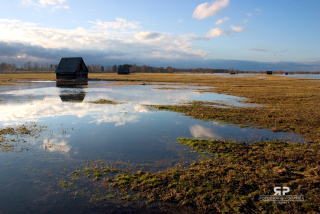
x=198 y=131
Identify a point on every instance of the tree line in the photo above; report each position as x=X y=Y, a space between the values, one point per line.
x=28 y=67
x=133 y=68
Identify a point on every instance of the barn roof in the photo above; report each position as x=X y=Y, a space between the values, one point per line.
x=68 y=64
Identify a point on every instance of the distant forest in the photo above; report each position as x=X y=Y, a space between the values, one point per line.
x=34 y=67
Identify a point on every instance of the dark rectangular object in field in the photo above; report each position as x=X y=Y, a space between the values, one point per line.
x=72 y=68
x=124 y=70
x=269 y=72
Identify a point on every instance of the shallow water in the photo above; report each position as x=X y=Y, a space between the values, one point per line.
x=77 y=133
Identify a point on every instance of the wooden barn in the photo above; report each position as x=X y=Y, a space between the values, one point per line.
x=72 y=68
x=269 y=72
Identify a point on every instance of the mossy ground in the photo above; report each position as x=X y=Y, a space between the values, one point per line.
x=233 y=181
x=103 y=101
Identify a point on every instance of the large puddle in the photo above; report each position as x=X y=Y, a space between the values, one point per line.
x=77 y=133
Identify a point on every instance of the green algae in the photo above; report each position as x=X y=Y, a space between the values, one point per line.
x=63 y=183
x=111 y=196
x=7 y=143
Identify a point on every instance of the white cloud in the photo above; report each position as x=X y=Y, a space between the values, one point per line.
x=27 y=2
x=117 y=38
x=15 y=22
x=51 y=2
x=237 y=29
x=209 y=9
x=212 y=33
x=120 y=23
x=249 y=14
x=245 y=21
x=217 y=32
x=193 y=36
x=55 y=4
x=221 y=21
x=180 y=21
x=147 y=35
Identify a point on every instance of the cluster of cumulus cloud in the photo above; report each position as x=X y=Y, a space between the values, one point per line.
x=112 y=42
x=120 y=36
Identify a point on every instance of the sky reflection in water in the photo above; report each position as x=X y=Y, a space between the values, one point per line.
x=125 y=128
x=80 y=131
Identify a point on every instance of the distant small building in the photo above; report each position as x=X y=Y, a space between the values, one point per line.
x=72 y=68
x=286 y=73
x=124 y=69
x=231 y=71
x=269 y=72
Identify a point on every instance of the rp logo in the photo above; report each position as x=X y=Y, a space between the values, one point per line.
x=281 y=190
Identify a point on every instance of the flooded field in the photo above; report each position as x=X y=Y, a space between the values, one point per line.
x=49 y=131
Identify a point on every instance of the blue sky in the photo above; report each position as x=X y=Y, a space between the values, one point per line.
x=244 y=34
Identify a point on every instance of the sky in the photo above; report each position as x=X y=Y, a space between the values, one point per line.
x=243 y=34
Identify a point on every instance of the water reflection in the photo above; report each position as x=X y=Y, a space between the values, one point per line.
x=69 y=95
x=80 y=131
x=142 y=109
x=135 y=94
x=118 y=120
x=198 y=131
x=56 y=145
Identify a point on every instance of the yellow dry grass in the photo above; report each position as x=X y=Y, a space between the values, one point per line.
x=9 y=79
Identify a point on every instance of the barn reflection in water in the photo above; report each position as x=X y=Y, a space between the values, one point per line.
x=72 y=91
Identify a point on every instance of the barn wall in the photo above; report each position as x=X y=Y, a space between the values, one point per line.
x=65 y=75
x=83 y=67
